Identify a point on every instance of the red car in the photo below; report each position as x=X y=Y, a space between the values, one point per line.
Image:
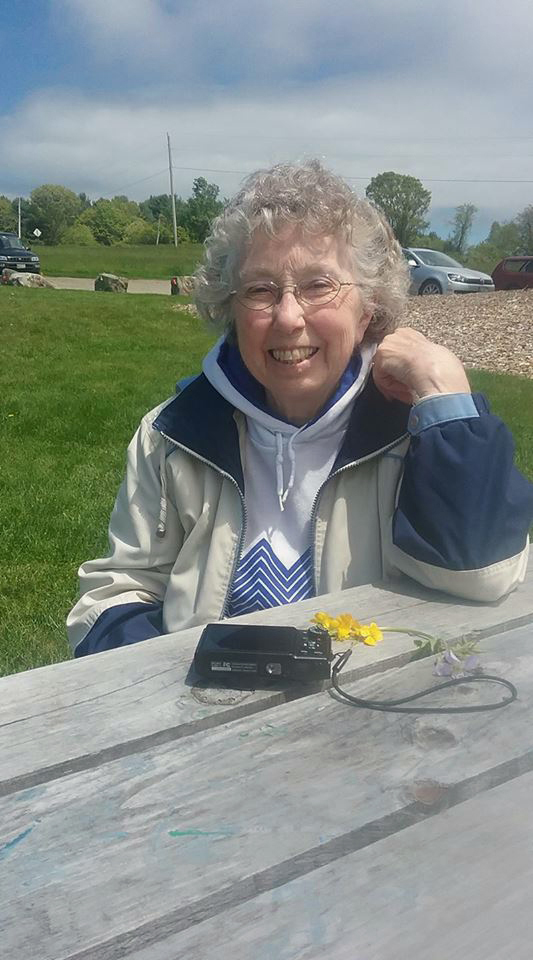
x=513 y=273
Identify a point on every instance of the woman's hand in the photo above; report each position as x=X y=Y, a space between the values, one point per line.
x=408 y=366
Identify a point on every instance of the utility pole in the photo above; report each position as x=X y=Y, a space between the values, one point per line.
x=172 y=197
x=158 y=230
x=20 y=235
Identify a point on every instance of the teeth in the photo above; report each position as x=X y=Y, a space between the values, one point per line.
x=293 y=356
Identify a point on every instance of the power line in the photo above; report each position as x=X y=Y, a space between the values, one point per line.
x=367 y=178
x=135 y=182
x=357 y=139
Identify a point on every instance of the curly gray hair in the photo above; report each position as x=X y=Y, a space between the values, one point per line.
x=317 y=202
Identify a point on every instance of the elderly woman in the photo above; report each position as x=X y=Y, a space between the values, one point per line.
x=320 y=448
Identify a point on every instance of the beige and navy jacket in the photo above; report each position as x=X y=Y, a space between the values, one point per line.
x=438 y=500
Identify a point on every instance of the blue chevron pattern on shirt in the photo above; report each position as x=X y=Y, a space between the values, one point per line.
x=263 y=581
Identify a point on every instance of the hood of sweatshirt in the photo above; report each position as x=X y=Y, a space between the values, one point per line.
x=295 y=452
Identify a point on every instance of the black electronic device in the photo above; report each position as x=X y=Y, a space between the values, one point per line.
x=259 y=652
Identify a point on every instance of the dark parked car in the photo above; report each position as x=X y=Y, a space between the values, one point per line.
x=513 y=273
x=15 y=256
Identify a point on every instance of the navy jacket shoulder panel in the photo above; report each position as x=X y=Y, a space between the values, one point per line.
x=201 y=420
x=375 y=423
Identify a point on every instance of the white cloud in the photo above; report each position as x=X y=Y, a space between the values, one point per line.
x=103 y=146
x=267 y=42
x=416 y=87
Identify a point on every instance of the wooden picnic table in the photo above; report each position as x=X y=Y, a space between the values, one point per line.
x=146 y=815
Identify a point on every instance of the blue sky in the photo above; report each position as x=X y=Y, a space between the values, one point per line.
x=440 y=91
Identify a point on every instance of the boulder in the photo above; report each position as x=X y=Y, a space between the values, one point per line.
x=185 y=286
x=110 y=283
x=15 y=278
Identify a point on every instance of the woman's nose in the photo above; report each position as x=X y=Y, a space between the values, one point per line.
x=288 y=311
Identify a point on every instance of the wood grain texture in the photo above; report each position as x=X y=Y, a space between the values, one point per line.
x=76 y=715
x=454 y=887
x=100 y=863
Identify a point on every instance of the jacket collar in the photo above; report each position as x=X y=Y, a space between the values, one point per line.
x=200 y=420
x=375 y=423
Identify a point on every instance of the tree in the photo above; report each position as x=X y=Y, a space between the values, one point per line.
x=108 y=219
x=8 y=215
x=52 y=210
x=158 y=209
x=461 y=226
x=524 y=222
x=84 y=201
x=160 y=206
x=78 y=235
x=201 y=209
x=140 y=231
x=403 y=200
x=429 y=241
x=505 y=237
x=484 y=256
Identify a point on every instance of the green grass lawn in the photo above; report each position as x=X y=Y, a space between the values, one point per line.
x=79 y=371
x=154 y=263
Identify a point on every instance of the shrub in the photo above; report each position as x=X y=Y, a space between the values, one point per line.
x=78 y=235
x=140 y=231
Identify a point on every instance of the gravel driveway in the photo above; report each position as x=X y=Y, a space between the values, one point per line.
x=134 y=286
x=489 y=330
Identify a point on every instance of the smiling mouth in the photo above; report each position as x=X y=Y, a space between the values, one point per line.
x=293 y=356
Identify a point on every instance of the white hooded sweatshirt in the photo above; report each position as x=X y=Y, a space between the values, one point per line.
x=284 y=467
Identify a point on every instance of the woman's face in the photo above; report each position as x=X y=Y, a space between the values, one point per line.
x=297 y=351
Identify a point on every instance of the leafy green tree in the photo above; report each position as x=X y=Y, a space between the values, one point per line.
x=429 y=241
x=108 y=219
x=129 y=209
x=52 y=209
x=160 y=206
x=483 y=256
x=201 y=209
x=8 y=215
x=461 y=226
x=84 y=201
x=78 y=235
x=403 y=200
x=524 y=222
x=139 y=231
x=505 y=237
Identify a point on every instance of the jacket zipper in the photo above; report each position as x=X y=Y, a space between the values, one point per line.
x=243 y=508
x=314 y=508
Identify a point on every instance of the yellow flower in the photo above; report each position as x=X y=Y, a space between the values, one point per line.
x=346 y=629
x=346 y=626
x=370 y=634
x=323 y=620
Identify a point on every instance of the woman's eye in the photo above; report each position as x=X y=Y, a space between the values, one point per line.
x=318 y=284
x=258 y=290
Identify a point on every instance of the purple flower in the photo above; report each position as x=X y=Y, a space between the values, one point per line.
x=450 y=657
x=471 y=663
x=443 y=669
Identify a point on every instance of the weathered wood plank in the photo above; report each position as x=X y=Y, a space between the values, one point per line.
x=144 y=695
x=456 y=886
x=140 y=843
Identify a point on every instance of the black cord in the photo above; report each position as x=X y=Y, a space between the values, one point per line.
x=392 y=705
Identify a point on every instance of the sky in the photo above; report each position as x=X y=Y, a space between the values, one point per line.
x=440 y=91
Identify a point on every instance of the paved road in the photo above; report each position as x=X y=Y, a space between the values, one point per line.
x=134 y=286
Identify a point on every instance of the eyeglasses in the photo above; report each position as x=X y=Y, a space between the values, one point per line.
x=263 y=294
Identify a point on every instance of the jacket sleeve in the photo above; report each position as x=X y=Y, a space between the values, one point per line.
x=463 y=510
x=122 y=594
